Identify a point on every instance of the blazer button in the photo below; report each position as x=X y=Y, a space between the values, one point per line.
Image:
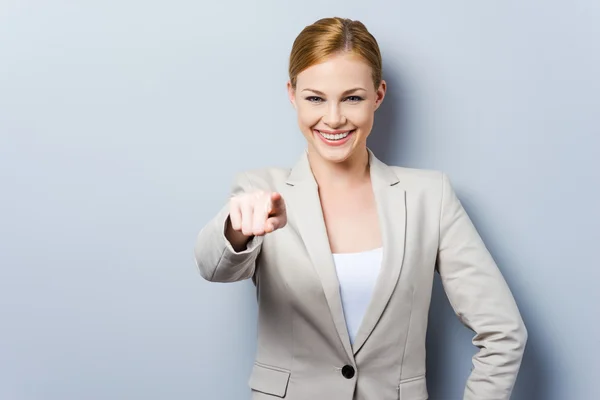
x=348 y=371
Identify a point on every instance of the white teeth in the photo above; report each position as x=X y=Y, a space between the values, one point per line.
x=339 y=136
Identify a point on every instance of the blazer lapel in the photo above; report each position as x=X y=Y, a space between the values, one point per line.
x=305 y=206
x=391 y=207
x=303 y=202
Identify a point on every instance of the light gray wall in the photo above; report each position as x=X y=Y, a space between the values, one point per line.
x=123 y=122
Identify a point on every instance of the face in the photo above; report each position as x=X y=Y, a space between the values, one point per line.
x=336 y=101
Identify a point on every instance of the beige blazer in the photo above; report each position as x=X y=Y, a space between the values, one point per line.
x=304 y=351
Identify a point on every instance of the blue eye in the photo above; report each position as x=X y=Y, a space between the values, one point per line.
x=317 y=99
x=354 y=99
x=314 y=99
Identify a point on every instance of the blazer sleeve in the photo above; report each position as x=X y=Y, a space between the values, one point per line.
x=482 y=301
x=216 y=259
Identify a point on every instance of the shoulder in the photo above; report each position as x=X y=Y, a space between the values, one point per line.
x=420 y=179
x=269 y=178
x=425 y=187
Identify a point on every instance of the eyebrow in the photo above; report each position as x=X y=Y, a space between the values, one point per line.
x=343 y=94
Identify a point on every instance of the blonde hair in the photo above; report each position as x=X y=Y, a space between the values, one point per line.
x=329 y=36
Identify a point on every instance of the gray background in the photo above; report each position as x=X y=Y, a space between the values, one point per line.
x=122 y=124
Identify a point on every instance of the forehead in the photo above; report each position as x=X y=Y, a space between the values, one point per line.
x=336 y=73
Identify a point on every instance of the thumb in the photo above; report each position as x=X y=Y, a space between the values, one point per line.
x=273 y=223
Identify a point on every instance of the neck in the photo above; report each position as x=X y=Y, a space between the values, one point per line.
x=349 y=172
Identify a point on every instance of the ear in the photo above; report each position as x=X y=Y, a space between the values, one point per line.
x=380 y=94
x=291 y=93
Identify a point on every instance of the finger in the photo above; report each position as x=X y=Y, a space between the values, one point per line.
x=261 y=207
x=277 y=204
x=274 y=223
x=235 y=215
x=247 y=217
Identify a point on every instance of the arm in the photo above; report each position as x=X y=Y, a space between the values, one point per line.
x=482 y=301
x=216 y=257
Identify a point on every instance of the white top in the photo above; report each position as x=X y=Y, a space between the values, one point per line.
x=357 y=274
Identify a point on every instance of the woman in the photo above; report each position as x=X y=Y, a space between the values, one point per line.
x=342 y=248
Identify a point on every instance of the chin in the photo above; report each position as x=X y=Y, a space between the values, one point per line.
x=336 y=154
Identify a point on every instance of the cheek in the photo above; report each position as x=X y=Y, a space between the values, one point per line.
x=308 y=116
x=361 y=117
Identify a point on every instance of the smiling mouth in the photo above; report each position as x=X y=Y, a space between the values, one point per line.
x=335 y=136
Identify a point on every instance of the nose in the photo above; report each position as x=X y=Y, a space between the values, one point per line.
x=334 y=117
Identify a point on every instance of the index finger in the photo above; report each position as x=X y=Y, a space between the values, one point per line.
x=276 y=203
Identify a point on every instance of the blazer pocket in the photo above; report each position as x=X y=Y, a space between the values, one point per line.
x=413 y=389
x=269 y=380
